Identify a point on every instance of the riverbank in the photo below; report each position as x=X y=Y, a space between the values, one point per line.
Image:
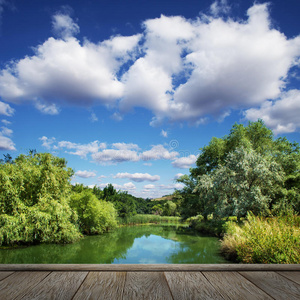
x=259 y=240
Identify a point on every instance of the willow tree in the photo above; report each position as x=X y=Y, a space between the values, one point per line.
x=34 y=200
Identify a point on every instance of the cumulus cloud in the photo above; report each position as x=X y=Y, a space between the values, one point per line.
x=281 y=115
x=109 y=156
x=85 y=174
x=5 y=142
x=138 y=177
x=68 y=71
x=181 y=70
x=149 y=186
x=158 y=152
x=5 y=109
x=184 y=162
x=82 y=150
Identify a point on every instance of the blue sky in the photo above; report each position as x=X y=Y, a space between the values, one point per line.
x=128 y=91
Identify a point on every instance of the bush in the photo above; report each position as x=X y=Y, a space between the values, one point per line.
x=263 y=240
x=94 y=216
x=145 y=219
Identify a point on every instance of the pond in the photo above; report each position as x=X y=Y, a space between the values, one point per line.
x=147 y=244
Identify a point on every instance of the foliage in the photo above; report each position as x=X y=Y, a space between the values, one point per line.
x=169 y=208
x=94 y=216
x=245 y=170
x=247 y=181
x=145 y=219
x=34 y=194
x=260 y=240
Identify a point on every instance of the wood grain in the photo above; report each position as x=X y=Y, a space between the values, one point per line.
x=274 y=284
x=149 y=267
x=184 y=285
x=58 y=285
x=146 y=285
x=5 y=274
x=102 y=285
x=294 y=276
x=19 y=283
x=231 y=285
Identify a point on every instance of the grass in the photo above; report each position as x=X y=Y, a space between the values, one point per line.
x=263 y=240
x=146 y=219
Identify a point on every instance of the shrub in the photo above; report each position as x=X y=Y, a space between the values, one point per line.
x=263 y=240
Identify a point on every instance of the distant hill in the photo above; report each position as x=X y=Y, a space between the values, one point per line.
x=164 y=198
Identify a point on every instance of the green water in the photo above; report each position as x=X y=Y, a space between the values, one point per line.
x=126 y=245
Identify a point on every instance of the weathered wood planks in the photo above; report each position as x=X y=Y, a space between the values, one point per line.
x=102 y=285
x=274 y=284
x=131 y=285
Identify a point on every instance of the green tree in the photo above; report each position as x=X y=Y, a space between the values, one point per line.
x=94 y=216
x=247 y=182
x=34 y=195
x=169 y=209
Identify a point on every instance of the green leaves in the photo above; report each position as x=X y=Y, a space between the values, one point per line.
x=34 y=195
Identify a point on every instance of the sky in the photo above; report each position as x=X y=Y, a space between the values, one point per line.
x=129 y=91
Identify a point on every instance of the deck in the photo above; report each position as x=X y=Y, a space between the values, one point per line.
x=149 y=282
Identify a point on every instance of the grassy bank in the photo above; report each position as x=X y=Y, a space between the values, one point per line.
x=146 y=219
x=263 y=240
x=259 y=240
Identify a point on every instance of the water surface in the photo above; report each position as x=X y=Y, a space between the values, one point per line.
x=147 y=244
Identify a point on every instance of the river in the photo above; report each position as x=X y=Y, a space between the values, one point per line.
x=146 y=244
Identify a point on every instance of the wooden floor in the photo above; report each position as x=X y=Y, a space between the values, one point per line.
x=149 y=282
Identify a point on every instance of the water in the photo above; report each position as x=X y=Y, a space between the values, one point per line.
x=126 y=245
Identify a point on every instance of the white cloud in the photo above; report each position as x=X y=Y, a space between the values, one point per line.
x=177 y=186
x=5 y=109
x=184 y=162
x=85 y=174
x=149 y=187
x=64 y=26
x=93 y=117
x=125 y=146
x=129 y=186
x=281 y=115
x=6 y=122
x=178 y=175
x=219 y=7
x=5 y=142
x=47 y=142
x=158 y=152
x=115 y=156
x=180 y=69
x=82 y=150
x=47 y=109
x=164 y=133
x=138 y=177
x=68 y=71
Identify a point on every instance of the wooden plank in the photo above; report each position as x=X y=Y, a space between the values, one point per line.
x=294 y=276
x=58 y=285
x=102 y=285
x=5 y=274
x=149 y=267
x=185 y=285
x=15 y=285
x=231 y=285
x=275 y=285
x=146 y=285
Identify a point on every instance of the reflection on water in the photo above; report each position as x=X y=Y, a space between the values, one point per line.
x=126 y=245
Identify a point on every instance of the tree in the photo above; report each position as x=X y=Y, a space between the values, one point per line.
x=253 y=137
x=34 y=196
x=169 y=209
x=94 y=216
x=247 y=182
